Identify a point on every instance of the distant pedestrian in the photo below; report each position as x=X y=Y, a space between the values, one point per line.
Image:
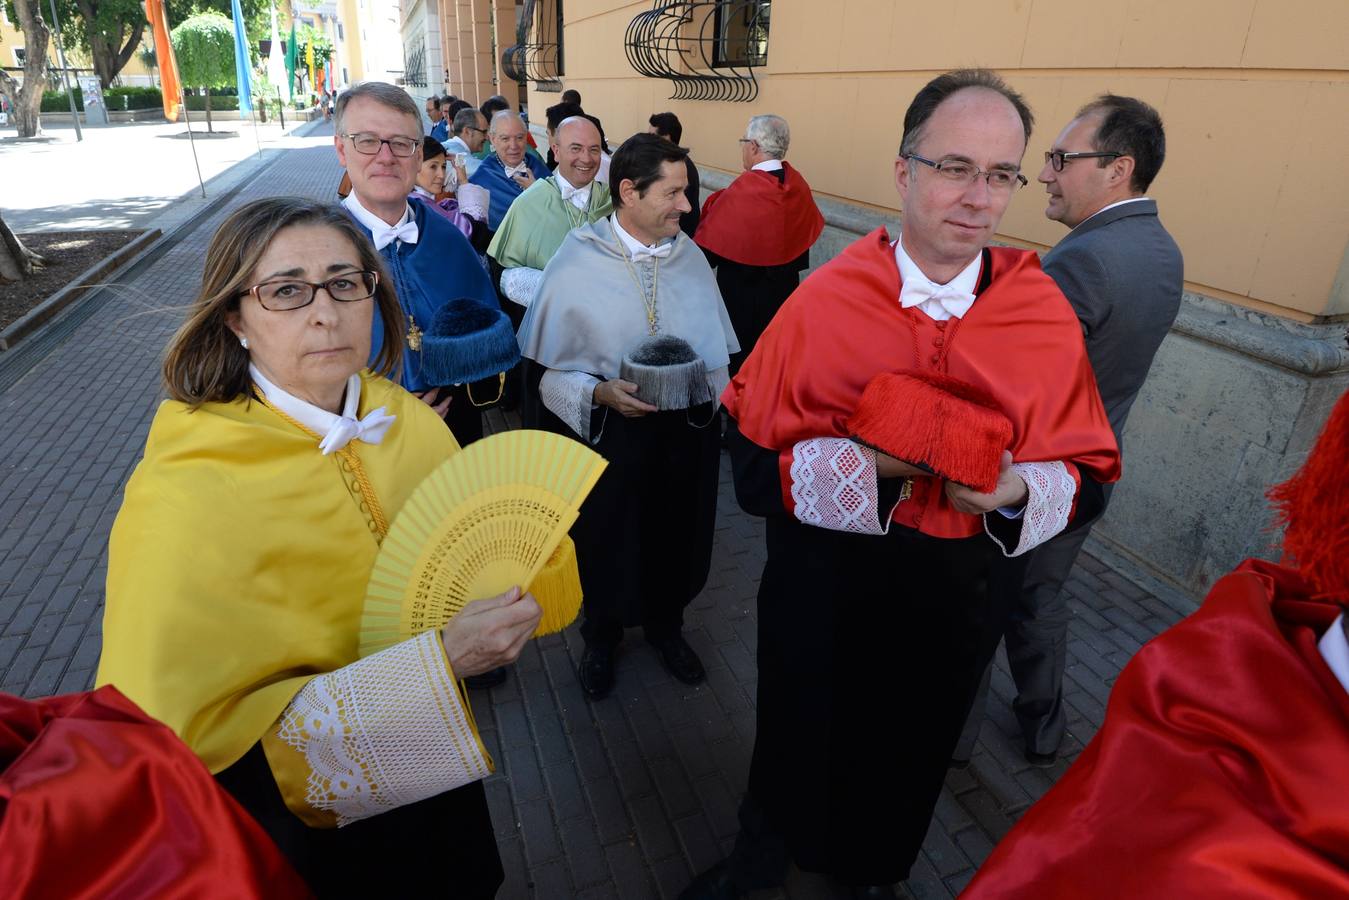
x=668 y=126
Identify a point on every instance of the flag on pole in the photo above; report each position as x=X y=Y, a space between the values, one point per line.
x=292 y=60
x=328 y=76
x=168 y=64
x=276 y=62
x=242 y=67
x=309 y=63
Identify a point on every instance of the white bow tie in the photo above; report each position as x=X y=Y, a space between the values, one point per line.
x=407 y=233
x=917 y=291
x=512 y=171
x=660 y=251
x=371 y=430
x=578 y=197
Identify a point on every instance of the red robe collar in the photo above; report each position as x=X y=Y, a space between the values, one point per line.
x=1219 y=770
x=759 y=221
x=1021 y=342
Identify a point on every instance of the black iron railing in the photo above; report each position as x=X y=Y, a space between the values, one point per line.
x=708 y=49
x=536 y=54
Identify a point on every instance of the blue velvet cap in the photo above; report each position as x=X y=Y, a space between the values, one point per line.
x=468 y=342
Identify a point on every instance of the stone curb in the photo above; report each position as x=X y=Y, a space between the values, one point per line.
x=86 y=281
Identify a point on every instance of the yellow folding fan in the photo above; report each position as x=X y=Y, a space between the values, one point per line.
x=493 y=516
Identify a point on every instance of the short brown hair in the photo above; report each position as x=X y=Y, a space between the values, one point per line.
x=927 y=100
x=204 y=362
x=384 y=94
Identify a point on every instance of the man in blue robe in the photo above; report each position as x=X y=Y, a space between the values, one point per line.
x=509 y=169
x=378 y=140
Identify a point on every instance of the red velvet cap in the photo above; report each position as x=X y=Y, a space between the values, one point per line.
x=950 y=426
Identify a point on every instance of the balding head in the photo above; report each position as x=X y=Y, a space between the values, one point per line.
x=576 y=144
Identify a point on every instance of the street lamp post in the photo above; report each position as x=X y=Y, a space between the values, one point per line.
x=65 y=73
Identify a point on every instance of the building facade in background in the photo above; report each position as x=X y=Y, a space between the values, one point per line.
x=1255 y=96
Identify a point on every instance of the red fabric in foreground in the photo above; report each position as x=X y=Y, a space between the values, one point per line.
x=1220 y=771
x=99 y=800
x=760 y=221
x=1020 y=343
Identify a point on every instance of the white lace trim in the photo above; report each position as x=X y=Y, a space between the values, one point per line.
x=1050 y=489
x=383 y=732
x=570 y=397
x=474 y=201
x=521 y=283
x=834 y=486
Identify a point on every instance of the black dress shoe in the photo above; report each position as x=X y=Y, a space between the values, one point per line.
x=680 y=659
x=597 y=671
x=489 y=679
x=874 y=892
x=1041 y=760
x=714 y=884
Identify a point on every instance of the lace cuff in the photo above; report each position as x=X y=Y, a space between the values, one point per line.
x=1050 y=489
x=473 y=201
x=383 y=732
x=569 y=396
x=521 y=283
x=834 y=486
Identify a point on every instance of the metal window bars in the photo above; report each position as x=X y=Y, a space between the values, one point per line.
x=707 y=48
x=540 y=59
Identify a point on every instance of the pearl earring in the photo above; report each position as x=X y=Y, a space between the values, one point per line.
x=243 y=342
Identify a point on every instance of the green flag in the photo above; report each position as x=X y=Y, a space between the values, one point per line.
x=292 y=59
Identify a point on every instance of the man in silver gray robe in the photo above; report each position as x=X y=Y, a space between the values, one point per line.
x=644 y=536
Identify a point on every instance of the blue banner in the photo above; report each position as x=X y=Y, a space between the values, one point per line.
x=242 y=70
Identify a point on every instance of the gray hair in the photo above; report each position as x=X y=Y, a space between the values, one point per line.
x=771 y=134
x=505 y=115
x=384 y=94
x=465 y=118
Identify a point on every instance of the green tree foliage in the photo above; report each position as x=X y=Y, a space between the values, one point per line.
x=204 y=46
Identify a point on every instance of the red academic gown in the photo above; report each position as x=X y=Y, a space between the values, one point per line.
x=757 y=234
x=1222 y=768
x=870 y=647
x=99 y=800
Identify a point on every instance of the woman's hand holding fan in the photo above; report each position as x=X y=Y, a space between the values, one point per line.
x=489 y=633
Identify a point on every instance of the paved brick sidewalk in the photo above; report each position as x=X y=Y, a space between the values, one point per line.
x=626 y=798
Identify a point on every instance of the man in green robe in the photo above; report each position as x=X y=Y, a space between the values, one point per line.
x=541 y=217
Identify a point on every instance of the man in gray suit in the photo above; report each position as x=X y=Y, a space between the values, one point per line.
x=1123 y=274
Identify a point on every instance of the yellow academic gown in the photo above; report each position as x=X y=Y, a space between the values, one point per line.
x=236 y=577
x=238 y=563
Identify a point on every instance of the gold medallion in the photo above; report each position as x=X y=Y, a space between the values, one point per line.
x=414 y=336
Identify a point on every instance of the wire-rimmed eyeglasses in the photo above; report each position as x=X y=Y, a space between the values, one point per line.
x=369 y=144
x=958 y=171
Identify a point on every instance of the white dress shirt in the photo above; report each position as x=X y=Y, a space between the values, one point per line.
x=578 y=197
x=636 y=249
x=768 y=165
x=1334 y=649
x=337 y=431
x=938 y=301
x=381 y=232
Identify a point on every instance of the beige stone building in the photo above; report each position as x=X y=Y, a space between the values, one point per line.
x=1255 y=95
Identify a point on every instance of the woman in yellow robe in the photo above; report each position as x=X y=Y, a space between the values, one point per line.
x=239 y=560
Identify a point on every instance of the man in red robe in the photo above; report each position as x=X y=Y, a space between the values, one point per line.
x=1220 y=770
x=757 y=232
x=886 y=588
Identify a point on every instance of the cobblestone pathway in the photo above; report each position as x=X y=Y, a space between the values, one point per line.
x=626 y=798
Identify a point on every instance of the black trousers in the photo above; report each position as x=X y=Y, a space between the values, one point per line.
x=386 y=855
x=644 y=536
x=870 y=652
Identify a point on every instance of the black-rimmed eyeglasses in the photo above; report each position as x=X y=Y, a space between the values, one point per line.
x=284 y=295
x=957 y=171
x=369 y=144
x=1056 y=158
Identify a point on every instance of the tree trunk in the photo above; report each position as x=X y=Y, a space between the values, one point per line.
x=110 y=53
x=26 y=100
x=208 y=110
x=16 y=261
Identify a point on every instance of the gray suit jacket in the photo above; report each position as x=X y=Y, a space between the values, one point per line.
x=1123 y=274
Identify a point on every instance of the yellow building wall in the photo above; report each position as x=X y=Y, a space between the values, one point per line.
x=1254 y=93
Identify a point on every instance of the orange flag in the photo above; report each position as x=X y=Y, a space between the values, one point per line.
x=168 y=65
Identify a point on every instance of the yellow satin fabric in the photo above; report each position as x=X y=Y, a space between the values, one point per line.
x=238 y=563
